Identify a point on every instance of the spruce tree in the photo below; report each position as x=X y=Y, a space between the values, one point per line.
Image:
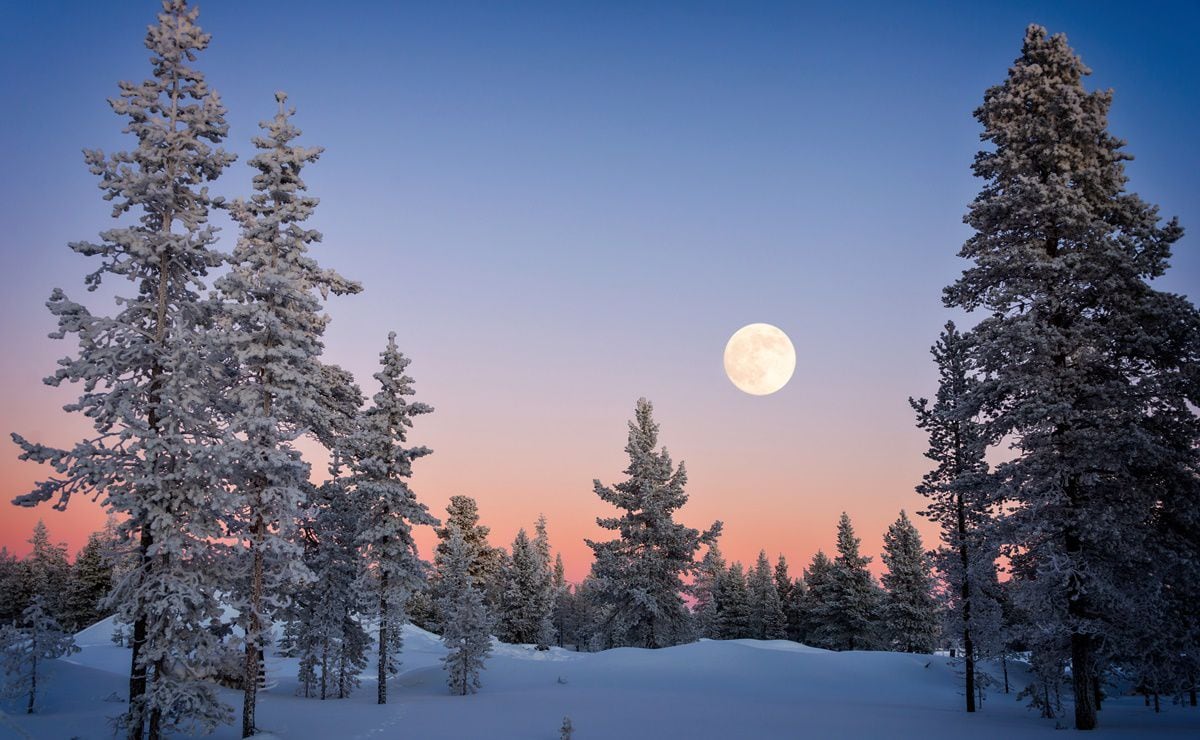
x=271 y=328
x=1085 y=366
x=525 y=617
x=466 y=622
x=818 y=582
x=704 y=591
x=910 y=615
x=961 y=495
x=849 y=610
x=142 y=370
x=639 y=575
x=791 y=598
x=734 y=614
x=26 y=649
x=380 y=467
x=89 y=585
x=48 y=571
x=767 y=618
x=487 y=562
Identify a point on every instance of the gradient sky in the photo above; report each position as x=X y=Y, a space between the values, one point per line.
x=560 y=207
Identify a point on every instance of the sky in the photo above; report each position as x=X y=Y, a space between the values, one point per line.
x=562 y=207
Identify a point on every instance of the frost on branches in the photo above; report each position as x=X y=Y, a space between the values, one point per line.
x=270 y=326
x=380 y=466
x=151 y=458
x=1085 y=367
x=639 y=575
x=465 y=626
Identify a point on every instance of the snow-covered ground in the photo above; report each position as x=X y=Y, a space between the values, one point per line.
x=733 y=689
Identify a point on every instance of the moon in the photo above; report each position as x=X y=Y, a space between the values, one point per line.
x=759 y=359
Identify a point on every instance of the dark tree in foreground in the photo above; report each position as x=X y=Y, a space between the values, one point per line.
x=1084 y=366
x=466 y=625
x=25 y=650
x=639 y=575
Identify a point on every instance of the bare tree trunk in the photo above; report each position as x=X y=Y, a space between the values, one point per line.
x=32 y=681
x=1081 y=682
x=383 y=638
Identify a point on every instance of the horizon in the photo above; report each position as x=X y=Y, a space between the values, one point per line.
x=559 y=211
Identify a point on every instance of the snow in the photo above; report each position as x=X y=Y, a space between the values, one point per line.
x=707 y=689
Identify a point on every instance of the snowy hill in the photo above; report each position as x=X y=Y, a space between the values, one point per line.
x=709 y=689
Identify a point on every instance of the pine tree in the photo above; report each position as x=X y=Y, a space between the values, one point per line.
x=13 y=584
x=704 y=590
x=791 y=597
x=142 y=370
x=1085 y=366
x=562 y=600
x=465 y=631
x=271 y=327
x=848 y=612
x=639 y=574
x=26 y=649
x=381 y=466
x=545 y=592
x=487 y=562
x=48 y=571
x=818 y=582
x=961 y=496
x=767 y=619
x=525 y=618
x=733 y=615
x=330 y=639
x=89 y=585
x=909 y=611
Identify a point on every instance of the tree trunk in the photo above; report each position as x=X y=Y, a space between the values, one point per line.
x=1097 y=692
x=1004 y=666
x=1156 y=707
x=32 y=680
x=383 y=638
x=1081 y=682
x=253 y=634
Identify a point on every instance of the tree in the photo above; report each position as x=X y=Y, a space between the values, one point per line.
x=487 y=562
x=909 y=610
x=734 y=613
x=639 y=574
x=562 y=600
x=767 y=619
x=527 y=609
x=960 y=493
x=27 y=648
x=89 y=585
x=791 y=598
x=271 y=328
x=381 y=466
x=848 y=612
x=1085 y=367
x=47 y=570
x=466 y=626
x=330 y=639
x=143 y=372
x=818 y=581
x=704 y=590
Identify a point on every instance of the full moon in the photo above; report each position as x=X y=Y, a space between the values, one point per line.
x=759 y=359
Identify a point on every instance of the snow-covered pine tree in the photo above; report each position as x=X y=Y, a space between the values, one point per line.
x=89 y=585
x=380 y=467
x=1085 y=366
x=48 y=571
x=818 y=584
x=791 y=597
x=546 y=593
x=849 y=610
x=330 y=639
x=271 y=326
x=26 y=649
x=767 y=619
x=639 y=575
x=732 y=621
x=465 y=631
x=487 y=562
x=562 y=600
x=960 y=494
x=704 y=591
x=151 y=459
x=13 y=581
x=525 y=618
x=910 y=617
